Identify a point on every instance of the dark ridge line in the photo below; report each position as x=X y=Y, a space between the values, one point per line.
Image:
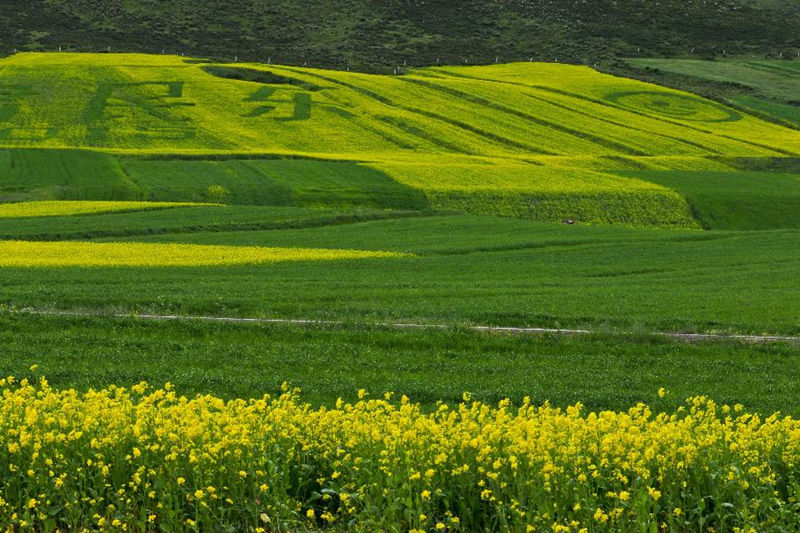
x=338 y=220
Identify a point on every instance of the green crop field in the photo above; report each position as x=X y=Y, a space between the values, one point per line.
x=543 y=234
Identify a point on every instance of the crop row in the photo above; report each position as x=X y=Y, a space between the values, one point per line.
x=69 y=208
x=116 y=254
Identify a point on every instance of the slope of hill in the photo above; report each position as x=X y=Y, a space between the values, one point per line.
x=528 y=139
x=374 y=35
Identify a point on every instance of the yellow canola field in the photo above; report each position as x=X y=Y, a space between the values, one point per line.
x=155 y=104
x=147 y=459
x=135 y=254
x=69 y=208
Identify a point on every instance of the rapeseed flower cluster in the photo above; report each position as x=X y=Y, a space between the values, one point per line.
x=143 y=459
x=57 y=208
x=144 y=254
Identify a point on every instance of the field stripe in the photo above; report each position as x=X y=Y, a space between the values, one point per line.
x=688 y=337
x=223 y=227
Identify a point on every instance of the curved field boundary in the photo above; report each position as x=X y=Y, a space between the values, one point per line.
x=687 y=337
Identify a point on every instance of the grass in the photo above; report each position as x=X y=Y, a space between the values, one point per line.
x=32 y=174
x=246 y=360
x=504 y=271
x=542 y=193
x=734 y=200
x=199 y=219
x=274 y=182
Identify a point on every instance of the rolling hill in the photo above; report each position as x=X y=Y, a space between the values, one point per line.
x=529 y=140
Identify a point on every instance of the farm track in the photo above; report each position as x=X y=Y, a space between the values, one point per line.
x=679 y=336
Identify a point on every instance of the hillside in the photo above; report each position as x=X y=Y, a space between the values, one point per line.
x=531 y=140
x=375 y=35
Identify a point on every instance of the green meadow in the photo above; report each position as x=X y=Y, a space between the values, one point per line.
x=524 y=195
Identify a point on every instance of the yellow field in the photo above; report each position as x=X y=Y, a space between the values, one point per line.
x=152 y=103
x=90 y=254
x=68 y=208
x=143 y=459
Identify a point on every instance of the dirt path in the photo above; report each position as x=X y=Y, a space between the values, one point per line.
x=689 y=337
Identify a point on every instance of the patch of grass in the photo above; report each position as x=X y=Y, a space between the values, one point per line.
x=245 y=361
x=186 y=220
x=24 y=254
x=734 y=200
x=32 y=174
x=544 y=193
x=274 y=182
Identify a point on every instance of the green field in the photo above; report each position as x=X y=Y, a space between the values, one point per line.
x=244 y=361
x=240 y=229
x=505 y=271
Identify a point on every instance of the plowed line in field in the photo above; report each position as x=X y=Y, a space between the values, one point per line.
x=689 y=337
